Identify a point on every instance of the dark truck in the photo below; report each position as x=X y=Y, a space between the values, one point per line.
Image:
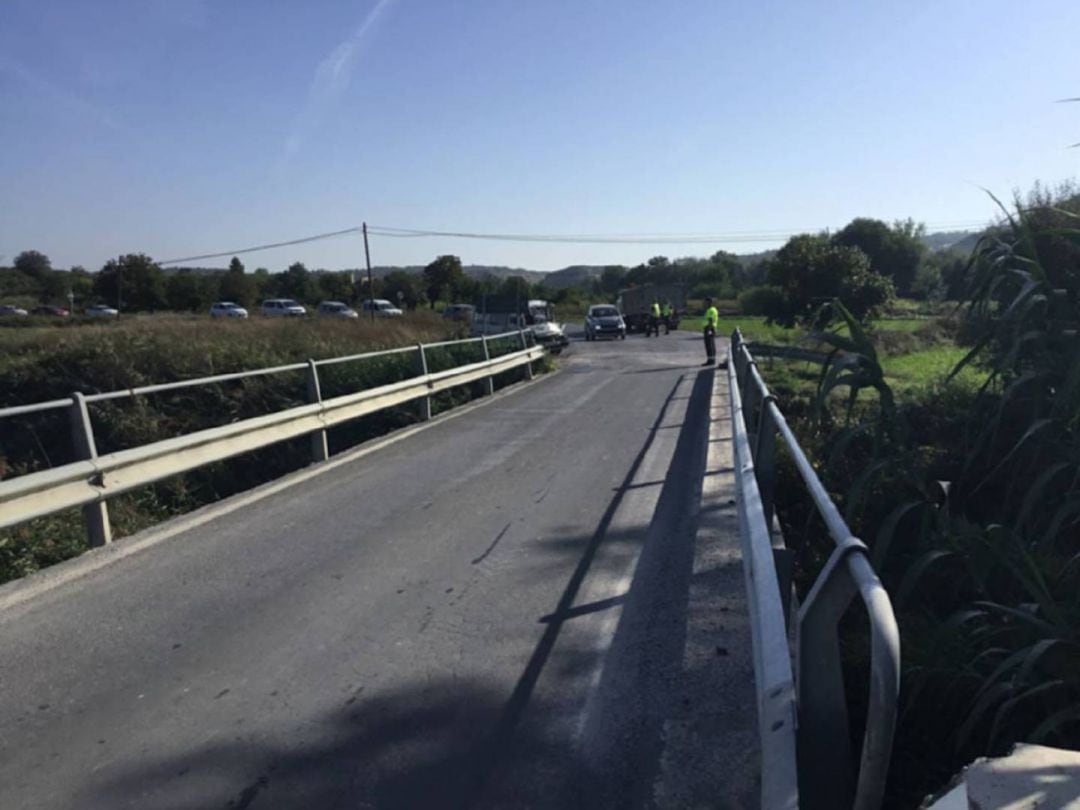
x=635 y=304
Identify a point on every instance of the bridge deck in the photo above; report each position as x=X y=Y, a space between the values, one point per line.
x=519 y=606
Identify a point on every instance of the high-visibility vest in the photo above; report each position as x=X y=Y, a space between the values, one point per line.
x=656 y=310
x=712 y=317
x=668 y=311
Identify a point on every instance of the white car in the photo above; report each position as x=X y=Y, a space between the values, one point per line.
x=381 y=307
x=282 y=308
x=101 y=311
x=8 y=309
x=227 y=309
x=336 y=309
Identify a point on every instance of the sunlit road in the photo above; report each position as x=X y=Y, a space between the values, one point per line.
x=502 y=610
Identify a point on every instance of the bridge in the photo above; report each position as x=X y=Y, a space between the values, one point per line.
x=571 y=593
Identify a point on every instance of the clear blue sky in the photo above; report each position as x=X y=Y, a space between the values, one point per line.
x=177 y=127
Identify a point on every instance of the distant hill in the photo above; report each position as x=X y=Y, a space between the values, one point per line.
x=951 y=240
x=472 y=270
x=576 y=275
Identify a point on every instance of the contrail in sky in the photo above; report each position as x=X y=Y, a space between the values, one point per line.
x=58 y=96
x=332 y=78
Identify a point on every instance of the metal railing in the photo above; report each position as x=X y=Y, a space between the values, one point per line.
x=821 y=741
x=92 y=480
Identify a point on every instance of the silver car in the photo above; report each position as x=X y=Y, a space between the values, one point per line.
x=227 y=309
x=101 y=311
x=335 y=309
x=381 y=307
x=282 y=308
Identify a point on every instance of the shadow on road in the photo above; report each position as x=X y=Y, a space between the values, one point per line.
x=413 y=746
x=438 y=742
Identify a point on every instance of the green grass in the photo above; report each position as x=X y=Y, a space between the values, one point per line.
x=908 y=375
x=753 y=329
x=50 y=362
x=899 y=324
x=927 y=368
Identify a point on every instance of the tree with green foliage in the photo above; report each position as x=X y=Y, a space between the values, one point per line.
x=260 y=282
x=894 y=252
x=514 y=288
x=45 y=284
x=612 y=279
x=334 y=286
x=404 y=287
x=237 y=286
x=442 y=277
x=811 y=271
x=134 y=282
x=294 y=283
x=183 y=293
x=33 y=263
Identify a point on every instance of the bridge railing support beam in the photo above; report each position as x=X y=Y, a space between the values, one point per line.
x=320 y=450
x=95 y=515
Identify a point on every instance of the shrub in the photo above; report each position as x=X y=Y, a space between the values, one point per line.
x=761 y=300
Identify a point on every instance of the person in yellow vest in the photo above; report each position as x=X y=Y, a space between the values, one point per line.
x=654 y=319
x=712 y=320
x=667 y=311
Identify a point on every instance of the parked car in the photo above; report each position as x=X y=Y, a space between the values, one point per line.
x=9 y=310
x=282 y=308
x=604 y=320
x=101 y=311
x=51 y=311
x=336 y=309
x=227 y=309
x=381 y=307
x=459 y=312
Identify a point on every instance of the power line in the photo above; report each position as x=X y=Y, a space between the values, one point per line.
x=638 y=239
x=301 y=241
x=731 y=237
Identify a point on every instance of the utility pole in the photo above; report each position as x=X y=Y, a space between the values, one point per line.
x=370 y=285
x=119 y=279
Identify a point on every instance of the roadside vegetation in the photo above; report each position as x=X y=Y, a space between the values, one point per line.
x=46 y=362
x=952 y=446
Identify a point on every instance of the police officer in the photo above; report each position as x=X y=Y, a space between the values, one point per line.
x=654 y=319
x=712 y=320
x=668 y=311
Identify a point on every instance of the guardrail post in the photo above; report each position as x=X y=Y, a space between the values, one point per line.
x=95 y=515
x=525 y=345
x=319 y=449
x=489 y=381
x=824 y=746
x=422 y=370
x=750 y=398
x=765 y=458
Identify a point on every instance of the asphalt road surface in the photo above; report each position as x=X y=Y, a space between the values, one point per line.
x=506 y=609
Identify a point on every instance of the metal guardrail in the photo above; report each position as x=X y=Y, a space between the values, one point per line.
x=90 y=482
x=821 y=740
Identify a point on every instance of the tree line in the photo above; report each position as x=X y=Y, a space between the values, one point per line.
x=865 y=264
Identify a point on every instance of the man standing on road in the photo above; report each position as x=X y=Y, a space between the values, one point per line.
x=668 y=311
x=654 y=319
x=712 y=320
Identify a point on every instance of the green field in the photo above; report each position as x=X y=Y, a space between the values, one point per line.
x=914 y=353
